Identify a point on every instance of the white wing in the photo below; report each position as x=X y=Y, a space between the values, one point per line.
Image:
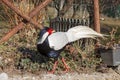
x=79 y=32
x=58 y=40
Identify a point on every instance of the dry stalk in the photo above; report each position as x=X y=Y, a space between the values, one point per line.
x=111 y=44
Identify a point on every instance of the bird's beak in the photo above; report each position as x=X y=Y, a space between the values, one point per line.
x=53 y=31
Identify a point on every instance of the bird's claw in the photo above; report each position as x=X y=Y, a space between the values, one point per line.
x=51 y=72
x=66 y=70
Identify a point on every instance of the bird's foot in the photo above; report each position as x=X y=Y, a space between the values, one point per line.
x=54 y=68
x=51 y=72
x=66 y=70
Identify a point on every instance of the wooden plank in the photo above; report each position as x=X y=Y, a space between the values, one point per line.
x=20 y=25
x=17 y=11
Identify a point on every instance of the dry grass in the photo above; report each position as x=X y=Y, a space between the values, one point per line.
x=111 y=22
x=20 y=51
x=22 y=55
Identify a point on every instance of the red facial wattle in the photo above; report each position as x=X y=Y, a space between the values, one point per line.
x=50 y=31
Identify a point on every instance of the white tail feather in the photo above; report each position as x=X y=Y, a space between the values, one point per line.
x=79 y=32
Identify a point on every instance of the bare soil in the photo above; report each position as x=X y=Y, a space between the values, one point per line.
x=110 y=75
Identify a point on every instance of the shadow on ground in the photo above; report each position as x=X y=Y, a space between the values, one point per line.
x=33 y=55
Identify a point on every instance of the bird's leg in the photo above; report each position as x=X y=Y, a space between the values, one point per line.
x=67 y=68
x=54 y=67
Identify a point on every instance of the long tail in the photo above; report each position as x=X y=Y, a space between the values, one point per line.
x=79 y=32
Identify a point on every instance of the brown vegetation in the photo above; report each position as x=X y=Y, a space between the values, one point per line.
x=20 y=52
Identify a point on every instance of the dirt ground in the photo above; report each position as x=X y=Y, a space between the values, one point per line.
x=110 y=75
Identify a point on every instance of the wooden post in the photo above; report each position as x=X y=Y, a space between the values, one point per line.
x=20 y=25
x=24 y=16
x=96 y=16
